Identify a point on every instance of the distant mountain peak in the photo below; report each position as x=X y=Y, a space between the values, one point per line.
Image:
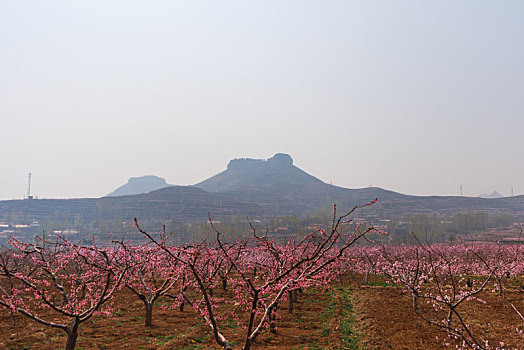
x=277 y=173
x=147 y=178
x=493 y=194
x=141 y=184
x=281 y=158
x=247 y=163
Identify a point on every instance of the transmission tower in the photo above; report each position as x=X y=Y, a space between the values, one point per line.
x=29 y=188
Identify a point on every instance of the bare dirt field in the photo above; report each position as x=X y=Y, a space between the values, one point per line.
x=387 y=321
x=346 y=317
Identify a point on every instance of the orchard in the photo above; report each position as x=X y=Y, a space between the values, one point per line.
x=245 y=291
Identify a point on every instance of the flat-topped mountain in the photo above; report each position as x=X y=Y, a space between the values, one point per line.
x=137 y=185
x=281 y=188
x=254 y=187
x=277 y=172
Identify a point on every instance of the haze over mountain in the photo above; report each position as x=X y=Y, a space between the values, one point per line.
x=277 y=183
x=280 y=188
x=277 y=172
x=180 y=203
x=422 y=97
x=137 y=185
x=254 y=187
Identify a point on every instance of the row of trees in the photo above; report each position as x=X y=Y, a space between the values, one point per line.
x=61 y=284
x=440 y=278
x=444 y=228
x=440 y=228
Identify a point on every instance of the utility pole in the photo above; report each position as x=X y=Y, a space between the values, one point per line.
x=461 y=190
x=512 y=191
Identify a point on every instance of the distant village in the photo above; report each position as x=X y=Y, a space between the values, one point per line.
x=492 y=227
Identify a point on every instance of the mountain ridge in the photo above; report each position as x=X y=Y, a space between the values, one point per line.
x=138 y=185
x=254 y=187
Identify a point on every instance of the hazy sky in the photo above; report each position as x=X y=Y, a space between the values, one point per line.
x=414 y=96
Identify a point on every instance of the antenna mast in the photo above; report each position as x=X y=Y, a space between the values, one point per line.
x=29 y=188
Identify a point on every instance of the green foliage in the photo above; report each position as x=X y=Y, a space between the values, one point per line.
x=346 y=327
x=347 y=330
x=380 y=284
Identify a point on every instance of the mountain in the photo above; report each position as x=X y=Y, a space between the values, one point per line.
x=280 y=188
x=137 y=185
x=180 y=203
x=246 y=173
x=255 y=187
x=493 y=194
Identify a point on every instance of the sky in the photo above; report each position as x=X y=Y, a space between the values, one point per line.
x=414 y=96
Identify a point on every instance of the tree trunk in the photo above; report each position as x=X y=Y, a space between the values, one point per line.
x=272 y=317
x=415 y=304
x=149 y=313
x=247 y=345
x=290 y=302
x=72 y=334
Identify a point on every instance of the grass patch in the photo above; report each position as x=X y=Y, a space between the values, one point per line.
x=163 y=339
x=117 y=313
x=202 y=339
x=350 y=339
x=194 y=347
x=230 y=323
x=327 y=315
x=380 y=284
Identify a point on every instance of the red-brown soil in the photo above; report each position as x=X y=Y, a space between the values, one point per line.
x=387 y=320
x=173 y=329
x=383 y=316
